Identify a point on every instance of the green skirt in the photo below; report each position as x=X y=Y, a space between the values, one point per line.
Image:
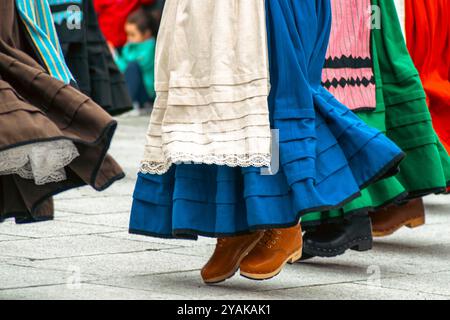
x=402 y=113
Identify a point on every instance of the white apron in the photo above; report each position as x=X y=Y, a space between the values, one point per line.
x=212 y=84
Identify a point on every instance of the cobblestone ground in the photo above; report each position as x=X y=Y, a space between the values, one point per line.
x=87 y=253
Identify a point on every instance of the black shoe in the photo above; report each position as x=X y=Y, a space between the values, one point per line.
x=332 y=240
x=305 y=256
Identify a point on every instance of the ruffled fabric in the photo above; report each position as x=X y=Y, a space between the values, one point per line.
x=378 y=195
x=212 y=84
x=427 y=166
x=222 y=133
x=402 y=113
x=38 y=111
x=89 y=58
x=324 y=156
x=427 y=32
x=43 y=162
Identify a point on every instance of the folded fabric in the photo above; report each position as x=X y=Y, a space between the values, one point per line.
x=38 y=22
x=50 y=133
x=88 y=56
x=402 y=112
x=428 y=33
x=43 y=162
x=212 y=83
x=326 y=154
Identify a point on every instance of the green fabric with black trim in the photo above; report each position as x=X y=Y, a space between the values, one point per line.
x=426 y=168
x=381 y=193
x=402 y=113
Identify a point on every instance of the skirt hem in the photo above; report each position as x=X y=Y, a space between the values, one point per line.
x=193 y=234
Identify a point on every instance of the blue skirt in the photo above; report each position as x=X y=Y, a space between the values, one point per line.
x=326 y=153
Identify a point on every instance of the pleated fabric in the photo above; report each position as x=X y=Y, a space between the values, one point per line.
x=427 y=167
x=212 y=84
x=88 y=56
x=36 y=110
x=428 y=39
x=407 y=122
x=326 y=154
x=380 y=194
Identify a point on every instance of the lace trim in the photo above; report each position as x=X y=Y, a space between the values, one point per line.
x=231 y=160
x=43 y=162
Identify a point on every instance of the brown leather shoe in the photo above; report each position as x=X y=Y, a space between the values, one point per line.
x=227 y=256
x=387 y=221
x=273 y=251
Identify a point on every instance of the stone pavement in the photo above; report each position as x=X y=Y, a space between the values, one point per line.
x=87 y=253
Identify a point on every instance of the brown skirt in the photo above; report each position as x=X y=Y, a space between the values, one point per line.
x=35 y=108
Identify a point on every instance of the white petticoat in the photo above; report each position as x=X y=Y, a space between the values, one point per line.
x=43 y=162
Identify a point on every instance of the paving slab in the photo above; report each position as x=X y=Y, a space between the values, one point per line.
x=81 y=292
x=173 y=242
x=55 y=228
x=349 y=292
x=430 y=283
x=13 y=276
x=121 y=188
x=6 y=237
x=110 y=266
x=427 y=235
x=105 y=205
x=298 y=275
x=73 y=246
x=119 y=221
x=403 y=258
x=87 y=253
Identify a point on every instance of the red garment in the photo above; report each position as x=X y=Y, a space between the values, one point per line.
x=112 y=15
x=428 y=38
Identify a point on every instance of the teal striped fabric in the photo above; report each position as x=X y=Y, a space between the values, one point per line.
x=38 y=21
x=58 y=2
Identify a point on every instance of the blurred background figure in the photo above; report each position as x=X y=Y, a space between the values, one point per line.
x=112 y=16
x=131 y=27
x=136 y=59
x=155 y=10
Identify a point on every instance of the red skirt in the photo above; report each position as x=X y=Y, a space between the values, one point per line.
x=428 y=39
